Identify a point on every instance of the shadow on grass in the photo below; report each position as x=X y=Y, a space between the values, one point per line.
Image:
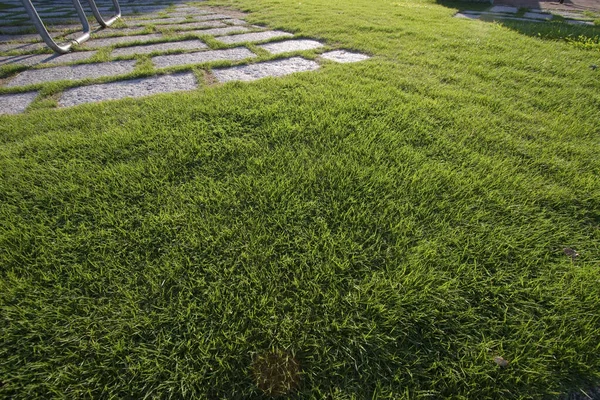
x=584 y=36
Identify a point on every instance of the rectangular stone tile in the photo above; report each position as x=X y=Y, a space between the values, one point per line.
x=73 y=73
x=217 y=31
x=132 y=88
x=194 y=25
x=533 y=15
x=343 y=56
x=234 y=21
x=265 y=69
x=253 y=37
x=158 y=21
x=290 y=45
x=21 y=47
x=36 y=59
x=9 y=30
x=211 y=17
x=239 y=53
x=106 y=42
x=26 y=37
x=504 y=9
x=16 y=103
x=151 y=48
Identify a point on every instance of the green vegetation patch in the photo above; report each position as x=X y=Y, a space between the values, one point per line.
x=425 y=223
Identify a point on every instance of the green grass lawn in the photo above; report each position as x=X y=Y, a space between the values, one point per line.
x=390 y=226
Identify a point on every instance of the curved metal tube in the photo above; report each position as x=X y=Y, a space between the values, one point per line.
x=41 y=28
x=98 y=16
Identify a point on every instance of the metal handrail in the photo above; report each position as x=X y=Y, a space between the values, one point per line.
x=65 y=48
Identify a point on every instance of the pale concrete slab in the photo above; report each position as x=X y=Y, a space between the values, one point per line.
x=195 y=25
x=211 y=17
x=132 y=88
x=262 y=70
x=73 y=73
x=467 y=16
x=577 y=22
x=343 y=56
x=217 y=31
x=26 y=37
x=111 y=41
x=16 y=103
x=254 y=37
x=540 y=16
x=291 y=45
x=21 y=47
x=504 y=9
x=234 y=21
x=236 y=54
x=36 y=59
x=159 y=47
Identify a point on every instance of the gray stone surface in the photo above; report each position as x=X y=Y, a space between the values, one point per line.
x=343 y=56
x=9 y=30
x=195 y=25
x=132 y=88
x=540 y=16
x=577 y=22
x=212 y=17
x=26 y=37
x=217 y=31
x=504 y=9
x=159 y=21
x=254 y=37
x=35 y=59
x=72 y=73
x=21 y=47
x=234 y=21
x=290 y=45
x=105 y=42
x=151 y=48
x=265 y=69
x=16 y=103
x=236 y=54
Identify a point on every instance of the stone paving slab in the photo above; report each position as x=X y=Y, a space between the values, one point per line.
x=72 y=73
x=253 y=37
x=467 y=15
x=194 y=25
x=577 y=22
x=236 y=54
x=504 y=9
x=106 y=42
x=27 y=37
x=22 y=47
x=217 y=31
x=262 y=70
x=234 y=21
x=132 y=88
x=541 y=16
x=290 y=45
x=37 y=59
x=343 y=56
x=16 y=103
x=163 y=47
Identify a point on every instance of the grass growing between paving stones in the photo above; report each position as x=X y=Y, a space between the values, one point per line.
x=384 y=229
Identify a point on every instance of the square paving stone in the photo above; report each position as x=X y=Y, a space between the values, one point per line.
x=253 y=37
x=504 y=9
x=16 y=103
x=35 y=59
x=132 y=88
x=151 y=48
x=290 y=45
x=22 y=47
x=73 y=73
x=265 y=69
x=106 y=42
x=26 y=37
x=343 y=56
x=236 y=54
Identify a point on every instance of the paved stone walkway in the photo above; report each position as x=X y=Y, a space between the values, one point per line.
x=510 y=13
x=172 y=36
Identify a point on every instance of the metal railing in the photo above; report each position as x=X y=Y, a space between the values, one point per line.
x=85 y=35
